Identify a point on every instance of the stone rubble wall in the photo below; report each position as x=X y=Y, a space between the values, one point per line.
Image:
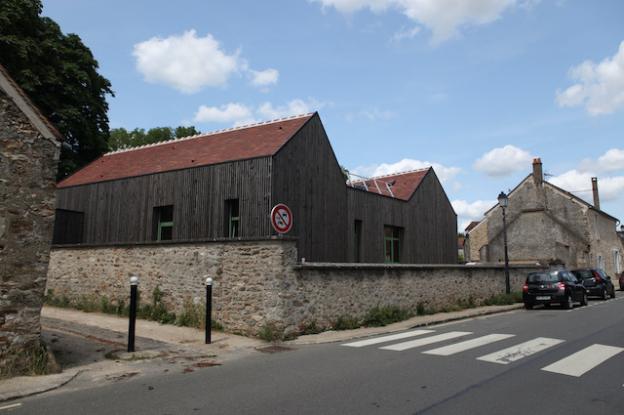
x=259 y=282
x=27 y=194
x=324 y=292
x=246 y=275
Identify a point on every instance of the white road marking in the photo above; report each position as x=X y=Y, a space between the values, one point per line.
x=521 y=350
x=12 y=406
x=468 y=344
x=427 y=340
x=385 y=339
x=583 y=361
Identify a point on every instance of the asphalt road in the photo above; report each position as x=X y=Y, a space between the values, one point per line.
x=338 y=379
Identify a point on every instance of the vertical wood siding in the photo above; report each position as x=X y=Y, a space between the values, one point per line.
x=428 y=221
x=307 y=177
x=121 y=210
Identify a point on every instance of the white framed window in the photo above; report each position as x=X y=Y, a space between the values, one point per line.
x=617 y=261
x=600 y=262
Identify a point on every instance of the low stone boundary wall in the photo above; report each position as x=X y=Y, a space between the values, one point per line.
x=258 y=282
x=245 y=275
x=326 y=291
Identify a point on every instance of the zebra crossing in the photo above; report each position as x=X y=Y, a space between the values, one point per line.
x=576 y=364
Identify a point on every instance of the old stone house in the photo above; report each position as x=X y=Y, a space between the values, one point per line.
x=29 y=151
x=546 y=223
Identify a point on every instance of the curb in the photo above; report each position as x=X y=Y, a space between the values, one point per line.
x=401 y=326
x=36 y=389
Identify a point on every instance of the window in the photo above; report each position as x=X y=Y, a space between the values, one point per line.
x=232 y=218
x=357 y=241
x=617 y=261
x=392 y=243
x=163 y=223
x=68 y=227
x=600 y=262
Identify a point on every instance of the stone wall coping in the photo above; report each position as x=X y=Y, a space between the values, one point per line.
x=176 y=242
x=361 y=266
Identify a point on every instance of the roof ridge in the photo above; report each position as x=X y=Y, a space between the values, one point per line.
x=398 y=173
x=210 y=133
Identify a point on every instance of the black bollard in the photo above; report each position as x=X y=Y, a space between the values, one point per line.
x=134 y=283
x=208 y=310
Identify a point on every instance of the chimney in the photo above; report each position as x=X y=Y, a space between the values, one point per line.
x=538 y=174
x=595 y=192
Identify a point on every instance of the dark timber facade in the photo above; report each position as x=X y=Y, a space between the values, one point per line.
x=225 y=186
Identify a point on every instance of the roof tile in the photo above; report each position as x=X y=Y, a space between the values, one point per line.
x=241 y=143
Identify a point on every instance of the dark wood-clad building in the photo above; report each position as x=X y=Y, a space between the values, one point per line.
x=223 y=185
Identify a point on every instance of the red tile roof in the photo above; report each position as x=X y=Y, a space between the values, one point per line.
x=239 y=143
x=471 y=225
x=398 y=185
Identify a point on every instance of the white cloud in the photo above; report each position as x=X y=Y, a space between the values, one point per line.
x=599 y=87
x=579 y=183
x=240 y=114
x=612 y=160
x=406 y=34
x=503 y=161
x=264 y=78
x=189 y=62
x=471 y=211
x=444 y=173
x=186 y=62
x=443 y=17
x=225 y=113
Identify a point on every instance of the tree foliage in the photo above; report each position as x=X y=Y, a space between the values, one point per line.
x=60 y=75
x=121 y=138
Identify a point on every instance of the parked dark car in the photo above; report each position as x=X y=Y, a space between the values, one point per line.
x=553 y=287
x=622 y=281
x=596 y=281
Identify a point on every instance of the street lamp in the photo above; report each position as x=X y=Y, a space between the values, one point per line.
x=503 y=202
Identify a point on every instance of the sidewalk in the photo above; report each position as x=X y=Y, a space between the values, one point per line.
x=91 y=349
x=418 y=321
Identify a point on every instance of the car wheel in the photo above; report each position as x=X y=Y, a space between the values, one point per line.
x=613 y=293
x=528 y=306
x=569 y=303
x=603 y=295
x=584 y=300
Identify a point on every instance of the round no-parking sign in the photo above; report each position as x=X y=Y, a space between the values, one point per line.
x=281 y=218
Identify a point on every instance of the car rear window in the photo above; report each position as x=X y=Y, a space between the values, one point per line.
x=543 y=277
x=583 y=273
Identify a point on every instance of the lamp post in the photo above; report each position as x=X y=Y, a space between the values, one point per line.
x=503 y=202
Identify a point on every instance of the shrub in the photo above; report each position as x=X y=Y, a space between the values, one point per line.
x=310 y=327
x=271 y=332
x=504 y=299
x=382 y=316
x=346 y=323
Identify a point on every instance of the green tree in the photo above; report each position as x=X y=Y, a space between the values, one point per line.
x=60 y=75
x=121 y=138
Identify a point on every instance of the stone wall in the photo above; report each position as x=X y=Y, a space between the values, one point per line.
x=259 y=282
x=324 y=292
x=247 y=276
x=27 y=176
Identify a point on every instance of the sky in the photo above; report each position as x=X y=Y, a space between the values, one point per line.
x=475 y=88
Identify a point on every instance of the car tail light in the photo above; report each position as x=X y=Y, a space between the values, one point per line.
x=525 y=288
x=597 y=277
x=561 y=286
